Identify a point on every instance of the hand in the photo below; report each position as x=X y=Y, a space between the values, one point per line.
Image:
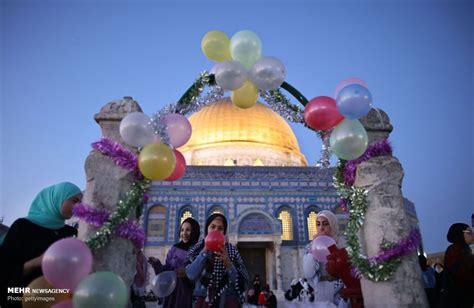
x=224 y=257
x=180 y=272
x=152 y=260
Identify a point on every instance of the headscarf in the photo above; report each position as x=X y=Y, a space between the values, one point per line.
x=456 y=234
x=218 y=277
x=195 y=233
x=333 y=222
x=45 y=210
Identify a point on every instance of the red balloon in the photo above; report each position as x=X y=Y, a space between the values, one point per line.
x=321 y=113
x=179 y=168
x=214 y=241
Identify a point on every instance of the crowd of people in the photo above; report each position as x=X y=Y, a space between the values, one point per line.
x=208 y=279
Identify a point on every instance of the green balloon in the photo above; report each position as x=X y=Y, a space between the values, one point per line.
x=349 y=139
x=245 y=47
x=101 y=289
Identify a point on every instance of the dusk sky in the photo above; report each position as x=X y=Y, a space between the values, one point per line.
x=61 y=61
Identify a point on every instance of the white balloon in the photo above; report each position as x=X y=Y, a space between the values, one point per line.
x=230 y=75
x=164 y=283
x=268 y=73
x=135 y=130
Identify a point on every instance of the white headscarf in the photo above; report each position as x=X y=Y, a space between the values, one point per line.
x=333 y=222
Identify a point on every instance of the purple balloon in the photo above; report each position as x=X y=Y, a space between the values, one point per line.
x=66 y=262
x=319 y=247
x=348 y=81
x=178 y=127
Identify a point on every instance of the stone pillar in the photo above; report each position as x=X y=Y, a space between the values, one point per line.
x=386 y=220
x=278 y=265
x=106 y=185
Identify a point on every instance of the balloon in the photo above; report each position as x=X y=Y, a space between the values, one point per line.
x=349 y=139
x=268 y=73
x=230 y=75
x=214 y=241
x=178 y=127
x=319 y=247
x=164 y=283
x=321 y=113
x=245 y=47
x=101 y=289
x=215 y=46
x=71 y=256
x=353 y=102
x=351 y=80
x=179 y=168
x=31 y=299
x=135 y=130
x=246 y=96
x=156 y=161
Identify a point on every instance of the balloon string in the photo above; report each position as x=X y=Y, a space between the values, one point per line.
x=297 y=94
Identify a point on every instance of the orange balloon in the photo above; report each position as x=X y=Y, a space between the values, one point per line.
x=35 y=298
x=156 y=161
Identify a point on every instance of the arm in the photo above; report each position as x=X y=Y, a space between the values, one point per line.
x=194 y=270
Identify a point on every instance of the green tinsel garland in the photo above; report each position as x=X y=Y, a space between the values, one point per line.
x=195 y=90
x=357 y=198
x=133 y=198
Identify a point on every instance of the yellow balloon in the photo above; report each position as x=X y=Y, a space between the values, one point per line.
x=215 y=45
x=245 y=96
x=34 y=299
x=156 y=161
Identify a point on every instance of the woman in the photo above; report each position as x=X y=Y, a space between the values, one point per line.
x=458 y=284
x=28 y=238
x=325 y=286
x=221 y=278
x=175 y=259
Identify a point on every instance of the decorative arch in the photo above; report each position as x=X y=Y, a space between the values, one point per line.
x=156 y=224
x=255 y=223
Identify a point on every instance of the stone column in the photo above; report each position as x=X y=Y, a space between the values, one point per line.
x=106 y=185
x=386 y=220
x=278 y=265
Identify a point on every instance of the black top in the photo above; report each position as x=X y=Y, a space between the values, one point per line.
x=23 y=242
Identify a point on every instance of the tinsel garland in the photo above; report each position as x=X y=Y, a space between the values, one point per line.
x=119 y=154
x=381 y=266
x=132 y=199
x=379 y=148
x=128 y=229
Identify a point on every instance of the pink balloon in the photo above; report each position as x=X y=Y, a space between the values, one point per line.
x=319 y=247
x=178 y=127
x=179 y=168
x=348 y=81
x=66 y=262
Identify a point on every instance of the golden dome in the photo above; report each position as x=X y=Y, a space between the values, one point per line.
x=223 y=134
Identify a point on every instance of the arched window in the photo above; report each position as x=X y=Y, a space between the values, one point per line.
x=286 y=225
x=216 y=210
x=186 y=214
x=229 y=162
x=258 y=163
x=156 y=229
x=311 y=221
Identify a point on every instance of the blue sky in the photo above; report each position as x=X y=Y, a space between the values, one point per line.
x=61 y=61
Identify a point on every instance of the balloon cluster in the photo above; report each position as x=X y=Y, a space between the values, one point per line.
x=240 y=67
x=352 y=101
x=66 y=265
x=158 y=158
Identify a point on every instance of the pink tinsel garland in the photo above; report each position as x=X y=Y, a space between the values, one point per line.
x=379 y=148
x=405 y=246
x=129 y=229
x=119 y=154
